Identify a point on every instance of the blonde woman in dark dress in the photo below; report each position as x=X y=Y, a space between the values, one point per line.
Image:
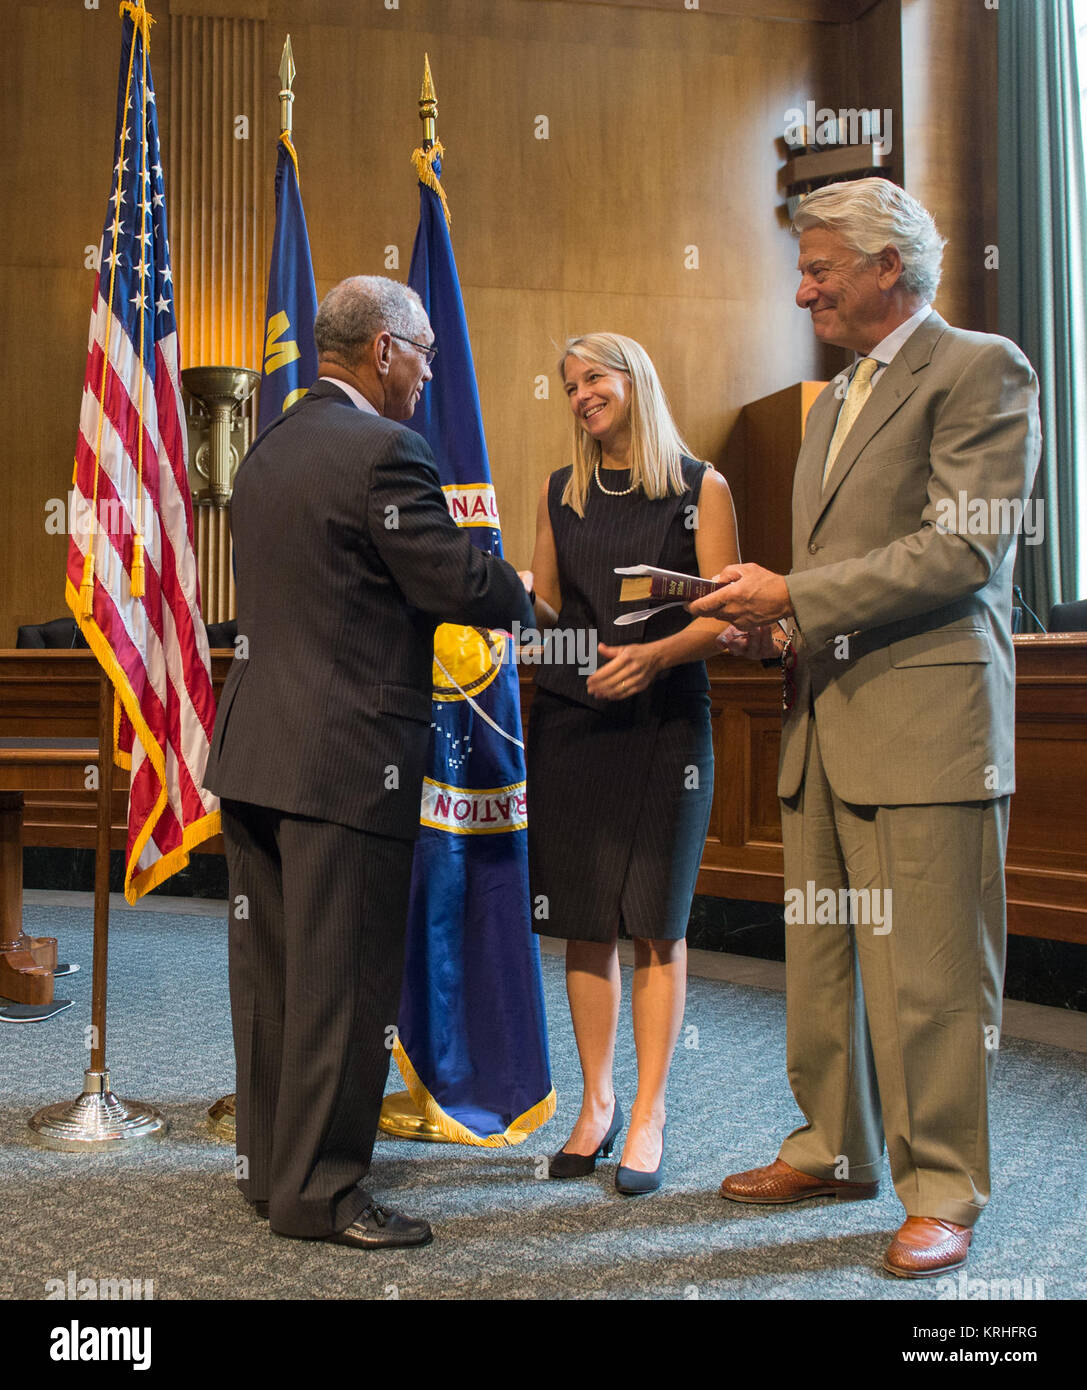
x=620 y=762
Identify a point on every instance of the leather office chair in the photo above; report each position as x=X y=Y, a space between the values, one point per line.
x=61 y=632
x=222 y=634
x=1069 y=617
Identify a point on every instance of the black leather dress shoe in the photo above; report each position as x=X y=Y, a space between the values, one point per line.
x=378 y=1228
x=260 y=1209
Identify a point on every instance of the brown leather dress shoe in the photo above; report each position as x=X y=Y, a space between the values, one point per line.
x=925 y=1246
x=779 y=1183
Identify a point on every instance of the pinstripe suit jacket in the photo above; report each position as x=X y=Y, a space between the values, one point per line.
x=347 y=560
x=917 y=706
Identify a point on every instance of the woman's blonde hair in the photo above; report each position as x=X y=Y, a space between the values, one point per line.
x=656 y=446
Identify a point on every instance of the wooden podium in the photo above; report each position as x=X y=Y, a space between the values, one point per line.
x=759 y=463
x=27 y=963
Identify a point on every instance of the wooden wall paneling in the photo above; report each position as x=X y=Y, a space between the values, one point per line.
x=872 y=73
x=661 y=136
x=949 y=130
x=823 y=11
x=866 y=73
x=57 y=109
x=219 y=9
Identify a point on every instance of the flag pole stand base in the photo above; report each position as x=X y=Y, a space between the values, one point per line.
x=401 y=1118
x=96 y=1120
x=221 y=1120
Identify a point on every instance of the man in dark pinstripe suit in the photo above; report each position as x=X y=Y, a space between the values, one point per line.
x=347 y=560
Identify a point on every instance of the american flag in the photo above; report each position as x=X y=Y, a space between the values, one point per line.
x=132 y=581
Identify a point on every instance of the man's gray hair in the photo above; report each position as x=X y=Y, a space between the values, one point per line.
x=356 y=310
x=872 y=214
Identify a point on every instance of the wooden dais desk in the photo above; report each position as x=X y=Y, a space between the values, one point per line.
x=1046 y=864
x=53 y=695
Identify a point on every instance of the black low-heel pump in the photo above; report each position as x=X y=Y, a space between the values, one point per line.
x=564 y=1165
x=633 y=1182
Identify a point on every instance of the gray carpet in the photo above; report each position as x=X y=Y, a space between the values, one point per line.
x=169 y=1211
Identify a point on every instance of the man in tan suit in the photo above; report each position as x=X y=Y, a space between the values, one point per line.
x=897 y=758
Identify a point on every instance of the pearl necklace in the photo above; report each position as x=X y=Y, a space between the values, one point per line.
x=607 y=491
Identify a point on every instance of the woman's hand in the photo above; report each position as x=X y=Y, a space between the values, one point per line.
x=758 y=643
x=626 y=671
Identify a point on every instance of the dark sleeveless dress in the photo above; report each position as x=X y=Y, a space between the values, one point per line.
x=619 y=792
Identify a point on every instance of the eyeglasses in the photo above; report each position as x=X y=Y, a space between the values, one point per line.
x=428 y=352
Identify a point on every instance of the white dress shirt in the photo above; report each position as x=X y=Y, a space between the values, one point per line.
x=348 y=390
x=884 y=351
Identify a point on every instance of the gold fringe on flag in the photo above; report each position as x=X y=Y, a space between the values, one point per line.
x=452 y=1129
x=424 y=167
x=285 y=141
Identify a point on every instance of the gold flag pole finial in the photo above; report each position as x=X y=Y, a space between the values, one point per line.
x=430 y=152
x=428 y=106
x=286 y=96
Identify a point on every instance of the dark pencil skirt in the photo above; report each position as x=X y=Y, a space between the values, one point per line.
x=617 y=817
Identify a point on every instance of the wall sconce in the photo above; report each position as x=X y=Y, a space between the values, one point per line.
x=221 y=392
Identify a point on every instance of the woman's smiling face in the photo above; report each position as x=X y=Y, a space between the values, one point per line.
x=599 y=398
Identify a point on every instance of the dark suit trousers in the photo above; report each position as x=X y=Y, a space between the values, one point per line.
x=317 y=923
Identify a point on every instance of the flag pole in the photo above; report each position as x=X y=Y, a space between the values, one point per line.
x=222 y=1115
x=428 y=106
x=401 y=1118
x=287 y=72
x=97 y=1119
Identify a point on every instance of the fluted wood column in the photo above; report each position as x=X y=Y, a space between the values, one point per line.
x=213 y=559
x=220 y=175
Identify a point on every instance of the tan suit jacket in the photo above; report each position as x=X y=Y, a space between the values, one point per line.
x=905 y=638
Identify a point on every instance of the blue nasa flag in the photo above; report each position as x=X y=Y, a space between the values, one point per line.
x=290 y=354
x=472 y=1045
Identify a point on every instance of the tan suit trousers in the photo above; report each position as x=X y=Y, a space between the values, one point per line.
x=894 y=1033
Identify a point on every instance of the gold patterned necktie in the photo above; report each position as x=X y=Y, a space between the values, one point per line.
x=860 y=388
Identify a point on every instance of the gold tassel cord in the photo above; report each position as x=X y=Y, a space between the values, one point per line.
x=141 y=18
x=285 y=141
x=136 y=576
x=424 y=168
x=86 y=586
x=85 y=604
